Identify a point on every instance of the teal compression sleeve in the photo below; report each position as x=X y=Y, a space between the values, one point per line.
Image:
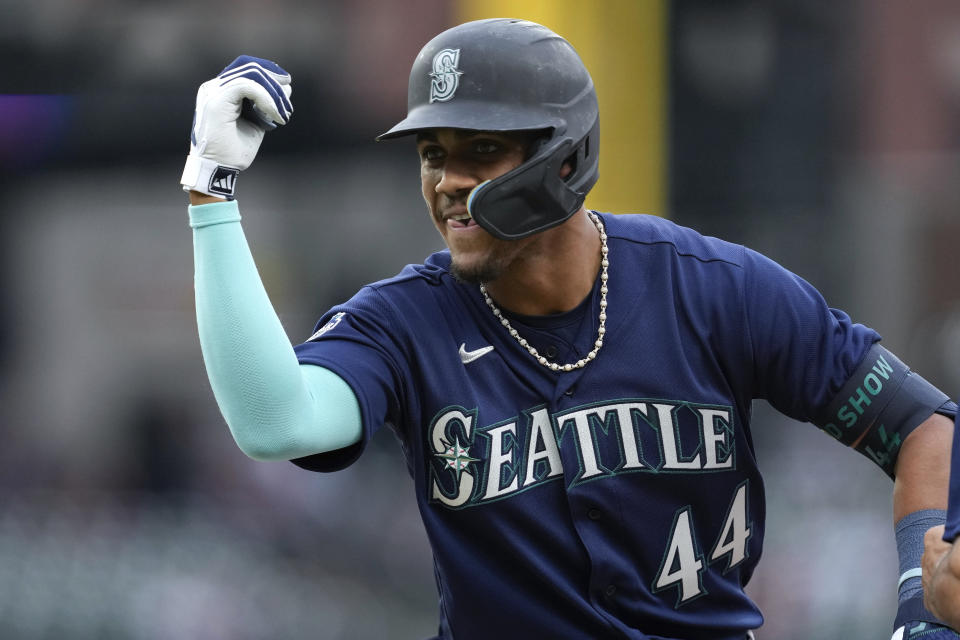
x=276 y=408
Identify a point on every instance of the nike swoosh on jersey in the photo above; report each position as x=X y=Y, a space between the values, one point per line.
x=469 y=356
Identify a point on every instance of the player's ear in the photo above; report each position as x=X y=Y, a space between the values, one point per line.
x=569 y=166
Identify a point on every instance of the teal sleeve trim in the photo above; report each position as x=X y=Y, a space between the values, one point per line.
x=276 y=408
x=205 y=215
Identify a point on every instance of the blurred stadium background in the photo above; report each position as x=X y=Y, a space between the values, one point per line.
x=824 y=134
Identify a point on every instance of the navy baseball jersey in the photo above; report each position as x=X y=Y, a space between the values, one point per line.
x=618 y=500
x=952 y=527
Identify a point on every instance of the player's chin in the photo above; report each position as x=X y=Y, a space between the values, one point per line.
x=474 y=269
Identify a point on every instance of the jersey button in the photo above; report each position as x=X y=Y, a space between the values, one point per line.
x=594 y=514
x=610 y=591
x=569 y=392
x=551 y=351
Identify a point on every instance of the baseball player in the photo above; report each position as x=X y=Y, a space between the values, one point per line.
x=571 y=389
x=941 y=561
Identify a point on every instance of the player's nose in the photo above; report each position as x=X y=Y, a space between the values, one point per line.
x=456 y=178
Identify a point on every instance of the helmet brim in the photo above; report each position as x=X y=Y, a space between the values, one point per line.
x=471 y=115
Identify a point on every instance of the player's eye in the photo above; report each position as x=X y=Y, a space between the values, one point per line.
x=431 y=153
x=485 y=147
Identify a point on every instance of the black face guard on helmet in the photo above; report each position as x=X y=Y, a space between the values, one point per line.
x=512 y=75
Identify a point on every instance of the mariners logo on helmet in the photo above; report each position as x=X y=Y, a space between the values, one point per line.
x=445 y=75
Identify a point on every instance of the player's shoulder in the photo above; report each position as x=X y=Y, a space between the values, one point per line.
x=415 y=289
x=415 y=283
x=433 y=271
x=654 y=230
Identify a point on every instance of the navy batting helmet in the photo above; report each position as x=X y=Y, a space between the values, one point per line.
x=512 y=75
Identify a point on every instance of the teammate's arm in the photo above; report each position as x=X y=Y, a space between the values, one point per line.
x=941 y=560
x=275 y=408
x=941 y=577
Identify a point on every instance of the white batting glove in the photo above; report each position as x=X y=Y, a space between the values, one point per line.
x=234 y=110
x=925 y=630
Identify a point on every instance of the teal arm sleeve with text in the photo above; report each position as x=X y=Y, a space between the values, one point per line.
x=276 y=408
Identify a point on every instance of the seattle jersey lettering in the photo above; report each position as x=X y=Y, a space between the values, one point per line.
x=473 y=465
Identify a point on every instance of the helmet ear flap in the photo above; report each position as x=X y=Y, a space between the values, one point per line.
x=538 y=143
x=535 y=196
x=586 y=160
x=528 y=199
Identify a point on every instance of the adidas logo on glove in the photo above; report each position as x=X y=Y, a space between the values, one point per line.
x=223 y=181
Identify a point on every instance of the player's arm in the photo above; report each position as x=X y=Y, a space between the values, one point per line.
x=897 y=419
x=275 y=407
x=197 y=198
x=922 y=473
x=919 y=502
x=817 y=365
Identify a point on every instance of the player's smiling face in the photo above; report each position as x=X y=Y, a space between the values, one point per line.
x=452 y=163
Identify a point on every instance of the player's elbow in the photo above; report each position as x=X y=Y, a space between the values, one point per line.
x=287 y=440
x=260 y=449
x=259 y=440
x=260 y=454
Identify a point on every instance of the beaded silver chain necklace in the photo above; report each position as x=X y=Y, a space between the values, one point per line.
x=571 y=366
